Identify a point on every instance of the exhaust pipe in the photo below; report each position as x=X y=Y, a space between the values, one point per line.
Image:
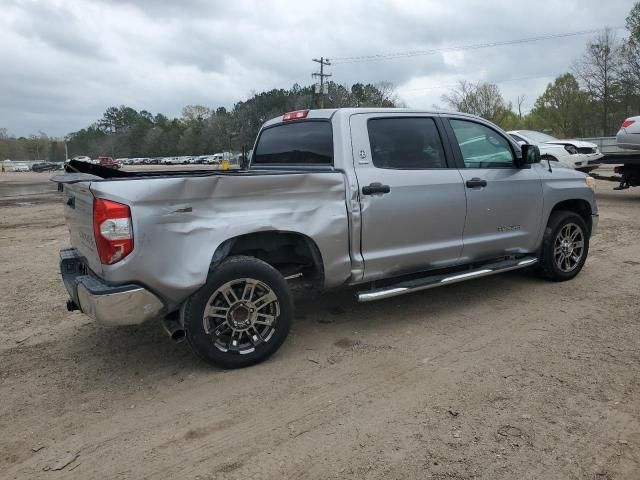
x=174 y=328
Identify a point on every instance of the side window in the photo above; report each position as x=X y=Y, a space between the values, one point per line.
x=481 y=146
x=405 y=143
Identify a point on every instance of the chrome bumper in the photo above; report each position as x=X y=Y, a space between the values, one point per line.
x=107 y=304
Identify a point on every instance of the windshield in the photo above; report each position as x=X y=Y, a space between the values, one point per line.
x=537 y=137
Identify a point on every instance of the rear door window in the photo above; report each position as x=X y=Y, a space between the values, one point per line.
x=405 y=143
x=296 y=143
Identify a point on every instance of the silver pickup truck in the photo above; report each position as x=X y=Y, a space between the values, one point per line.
x=384 y=201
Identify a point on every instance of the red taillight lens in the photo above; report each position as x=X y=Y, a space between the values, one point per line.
x=112 y=230
x=297 y=115
x=628 y=123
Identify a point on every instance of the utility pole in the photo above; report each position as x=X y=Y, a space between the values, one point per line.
x=323 y=61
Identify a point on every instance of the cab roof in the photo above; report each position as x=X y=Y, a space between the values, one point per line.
x=329 y=113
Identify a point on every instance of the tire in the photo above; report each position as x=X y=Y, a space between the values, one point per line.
x=557 y=260
x=244 y=300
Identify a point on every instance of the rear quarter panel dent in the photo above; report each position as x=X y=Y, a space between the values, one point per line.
x=180 y=222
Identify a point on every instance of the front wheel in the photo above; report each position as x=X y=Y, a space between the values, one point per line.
x=565 y=246
x=241 y=315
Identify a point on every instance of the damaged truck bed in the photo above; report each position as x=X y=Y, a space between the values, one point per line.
x=182 y=220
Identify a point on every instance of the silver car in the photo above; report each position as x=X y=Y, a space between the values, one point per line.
x=629 y=134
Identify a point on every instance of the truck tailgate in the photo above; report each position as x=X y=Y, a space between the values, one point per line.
x=78 y=213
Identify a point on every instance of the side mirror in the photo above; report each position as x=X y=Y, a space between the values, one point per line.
x=530 y=155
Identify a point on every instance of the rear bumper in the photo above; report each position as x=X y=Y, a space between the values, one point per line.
x=108 y=304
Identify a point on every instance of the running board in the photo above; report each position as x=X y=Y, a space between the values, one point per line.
x=433 y=281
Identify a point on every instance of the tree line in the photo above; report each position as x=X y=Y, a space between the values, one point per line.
x=601 y=89
x=34 y=147
x=125 y=132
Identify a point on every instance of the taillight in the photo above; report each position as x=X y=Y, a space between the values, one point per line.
x=112 y=230
x=297 y=115
x=627 y=123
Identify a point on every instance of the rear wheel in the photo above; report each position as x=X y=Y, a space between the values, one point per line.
x=565 y=246
x=242 y=314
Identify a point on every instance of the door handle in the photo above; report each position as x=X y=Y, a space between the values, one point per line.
x=375 y=188
x=476 y=182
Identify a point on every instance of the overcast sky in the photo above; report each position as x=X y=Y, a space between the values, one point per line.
x=62 y=63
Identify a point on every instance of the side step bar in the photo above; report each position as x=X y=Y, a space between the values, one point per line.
x=433 y=281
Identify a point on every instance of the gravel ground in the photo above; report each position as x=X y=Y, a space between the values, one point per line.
x=508 y=377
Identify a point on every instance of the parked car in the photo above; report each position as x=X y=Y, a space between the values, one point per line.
x=207 y=160
x=45 y=167
x=628 y=136
x=20 y=167
x=386 y=201
x=575 y=154
x=108 y=162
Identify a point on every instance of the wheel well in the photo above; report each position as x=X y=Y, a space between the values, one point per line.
x=581 y=207
x=288 y=252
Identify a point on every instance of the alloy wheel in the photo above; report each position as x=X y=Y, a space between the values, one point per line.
x=241 y=315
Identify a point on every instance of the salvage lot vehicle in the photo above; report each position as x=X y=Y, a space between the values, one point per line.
x=628 y=136
x=46 y=166
x=20 y=167
x=576 y=154
x=108 y=162
x=391 y=201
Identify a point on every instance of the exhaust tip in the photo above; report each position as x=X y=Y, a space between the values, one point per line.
x=178 y=336
x=174 y=328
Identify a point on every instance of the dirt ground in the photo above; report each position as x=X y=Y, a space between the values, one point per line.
x=508 y=377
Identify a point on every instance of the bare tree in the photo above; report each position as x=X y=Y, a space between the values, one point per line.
x=598 y=70
x=192 y=113
x=482 y=99
x=628 y=75
x=520 y=100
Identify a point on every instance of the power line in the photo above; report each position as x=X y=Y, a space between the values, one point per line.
x=476 y=46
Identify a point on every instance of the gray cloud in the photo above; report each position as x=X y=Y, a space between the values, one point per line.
x=64 y=62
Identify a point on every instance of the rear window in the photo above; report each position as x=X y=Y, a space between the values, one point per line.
x=298 y=143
